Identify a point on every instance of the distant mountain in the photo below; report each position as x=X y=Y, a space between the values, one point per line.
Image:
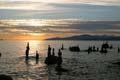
x=88 y=37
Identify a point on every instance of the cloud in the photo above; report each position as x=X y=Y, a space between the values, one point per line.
x=53 y=4
x=25 y=5
x=92 y=2
x=63 y=27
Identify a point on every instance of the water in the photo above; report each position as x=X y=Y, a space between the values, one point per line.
x=81 y=65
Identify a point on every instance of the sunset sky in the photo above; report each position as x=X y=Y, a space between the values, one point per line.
x=41 y=19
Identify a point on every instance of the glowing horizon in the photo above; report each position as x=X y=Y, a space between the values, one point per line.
x=44 y=29
x=31 y=29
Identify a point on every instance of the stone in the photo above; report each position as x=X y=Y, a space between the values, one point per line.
x=5 y=77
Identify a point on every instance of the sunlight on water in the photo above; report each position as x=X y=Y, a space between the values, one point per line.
x=36 y=29
x=34 y=44
x=39 y=46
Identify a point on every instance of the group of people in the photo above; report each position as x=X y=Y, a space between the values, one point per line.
x=51 y=58
x=118 y=49
x=93 y=49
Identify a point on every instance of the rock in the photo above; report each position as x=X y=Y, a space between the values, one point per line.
x=51 y=60
x=117 y=63
x=5 y=77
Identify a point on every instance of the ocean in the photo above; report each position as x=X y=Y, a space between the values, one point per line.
x=80 y=65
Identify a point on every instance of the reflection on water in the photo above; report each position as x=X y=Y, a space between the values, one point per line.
x=81 y=66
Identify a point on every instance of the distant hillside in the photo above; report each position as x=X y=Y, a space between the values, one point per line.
x=88 y=37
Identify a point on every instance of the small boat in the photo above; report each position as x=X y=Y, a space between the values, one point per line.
x=74 y=49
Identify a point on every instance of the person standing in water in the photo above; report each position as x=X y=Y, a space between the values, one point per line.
x=59 y=62
x=118 y=49
x=62 y=47
x=49 y=51
x=0 y=54
x=27 y=51
x=37 y=55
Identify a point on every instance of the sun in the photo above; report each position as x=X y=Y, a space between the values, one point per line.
x=33 y=23
x=36 y=34
x=36 y=23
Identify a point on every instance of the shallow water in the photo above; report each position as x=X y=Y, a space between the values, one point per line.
x=81 y=65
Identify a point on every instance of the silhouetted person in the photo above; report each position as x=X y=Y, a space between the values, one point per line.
x=53 y=52
x=110 y=46
x=62 y=47
x=118 y=49
x=37 y=55
x=27 y=51
x=59 y=62
x=0 y=54
x=59 y=68
x=97 y=48
x=89 y=50
x=51 y=58
x=93 y=48
x=49 y=51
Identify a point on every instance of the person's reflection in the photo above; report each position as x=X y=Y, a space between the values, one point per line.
x=37 y=61
x=59 y=75
x=27 y=68
x=27 y=61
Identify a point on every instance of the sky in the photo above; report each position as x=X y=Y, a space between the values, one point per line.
x=100 y=10
x=41 y=19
